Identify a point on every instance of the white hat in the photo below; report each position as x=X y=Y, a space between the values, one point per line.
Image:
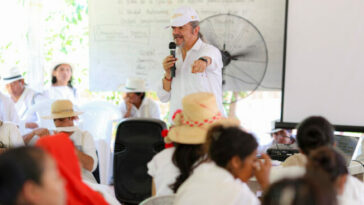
x=275 y=130
x=134 y=85
x=11 y=75
x=183 y=15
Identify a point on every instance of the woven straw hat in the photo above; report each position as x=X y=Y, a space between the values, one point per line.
x=199 y=113
x=62 y=109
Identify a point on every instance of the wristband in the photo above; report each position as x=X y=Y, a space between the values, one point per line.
x=204 y=59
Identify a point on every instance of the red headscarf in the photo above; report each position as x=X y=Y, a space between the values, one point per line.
x=63 y=151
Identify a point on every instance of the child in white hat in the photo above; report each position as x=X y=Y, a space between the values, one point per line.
x=63 y=116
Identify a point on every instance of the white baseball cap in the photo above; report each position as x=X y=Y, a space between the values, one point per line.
x=183 y=15
x=134 y=84
x=12 y=74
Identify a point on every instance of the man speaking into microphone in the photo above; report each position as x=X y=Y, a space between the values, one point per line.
x=198 y=65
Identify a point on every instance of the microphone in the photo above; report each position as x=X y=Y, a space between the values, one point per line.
x=172 y=47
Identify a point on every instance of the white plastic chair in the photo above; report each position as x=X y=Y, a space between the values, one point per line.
x=42 y=108
x=159 y=200
x=97 y=118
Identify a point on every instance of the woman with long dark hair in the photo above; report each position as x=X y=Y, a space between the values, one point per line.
x=62 y=87
x=314 y=133
x=232 y=161
x=172 y=166
x=307 y=190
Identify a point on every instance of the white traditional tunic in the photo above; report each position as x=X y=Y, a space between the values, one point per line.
x=84 y=142
x=62 y=93
x=186 y=82
x=27 y=99
x=213 y=185
x=148 y=109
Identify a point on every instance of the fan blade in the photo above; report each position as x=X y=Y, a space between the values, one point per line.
x=243 y=75
x=237 y=78
x=211 y=39
x=249 y=49
x=252 y=54
x=244 y=72
x=248 y=60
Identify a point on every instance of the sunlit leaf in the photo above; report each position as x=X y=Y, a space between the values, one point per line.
x=8 y=45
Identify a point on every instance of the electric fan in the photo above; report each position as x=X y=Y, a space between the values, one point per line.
x=243 y=49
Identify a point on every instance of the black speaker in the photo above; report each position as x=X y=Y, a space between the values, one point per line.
x=96 y=172
x=137 y=141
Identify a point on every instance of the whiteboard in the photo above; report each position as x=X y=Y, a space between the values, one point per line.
x=128 y=38
x=325 y=61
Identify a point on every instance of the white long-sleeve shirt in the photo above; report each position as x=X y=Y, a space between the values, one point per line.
x=210 y=184
x=163 y=171
x=148 y=109
x=185 y=82
x=84 y=142
x=27 y=99
x=62 y=93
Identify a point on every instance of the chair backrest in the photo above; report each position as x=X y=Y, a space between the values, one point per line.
x=97 y=118
x=159 y=200
x=137 y=141
x=42 y=108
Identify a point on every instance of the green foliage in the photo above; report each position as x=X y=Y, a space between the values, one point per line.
x=66 y=29
x=3 y=50
x=231 y=97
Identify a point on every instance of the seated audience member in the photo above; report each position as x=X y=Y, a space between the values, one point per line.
x=62 y=87
x=28 y=175
x=61 y=148
x=327 y=160
x=312 y=133
x=222 y=179
x=279 y=137
x=312 y=190
x=282 y=136
x=9 y=136
x=63 y=117
x=22 y=96
x=7 y=110
x=135 y=103
x=172 y=166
